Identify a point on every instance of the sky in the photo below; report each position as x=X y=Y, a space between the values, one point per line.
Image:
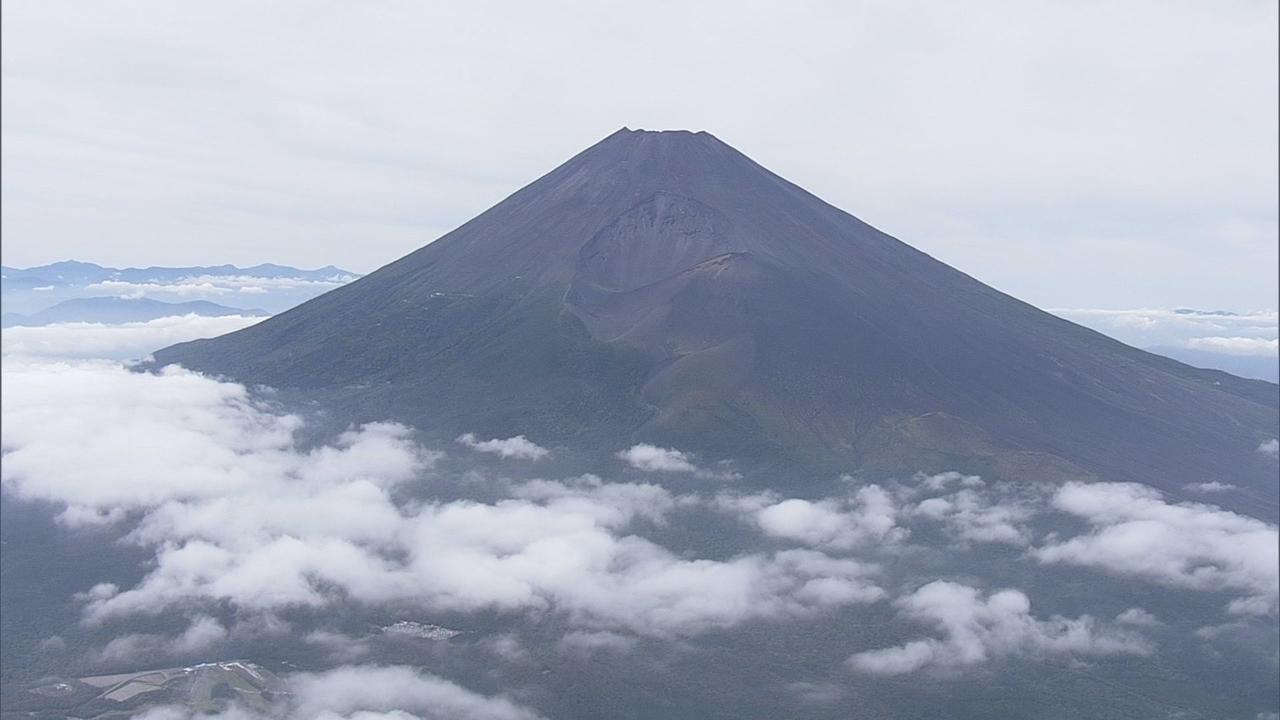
x=1099 y=155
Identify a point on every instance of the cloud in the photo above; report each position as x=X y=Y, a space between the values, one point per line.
x=104 y=439
x=518 y=447
x=337 y=646
x=201 y=635
x=1270 y=447
x=367 y=692
x=1212 y=486
x=973 y=513
x=652 y=458
x=1252 y=333
x=386 y=689
x=1138 y=617
x=865 y=516
x=200 y=146
x=126 y=341
x=1136 y=533
x=215 y=483
x=812 y=693
x=583 y=642
x=212 y=286
x=975 y=630
x=943 y=480
x=869 y=515
x=1236 y=345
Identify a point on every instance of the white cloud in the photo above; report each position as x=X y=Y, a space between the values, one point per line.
x=1252 y=333
x=201 y=635
x=973 y=516
x=212 y=286
x=1236 y=345
x=1139 y=617
x=97 y=436
x=237 y=513
x=337 y=646
x=1270 y=447
x=367 y=692
x=387 y=689
x=124 y=341
x=865 y=516
x=872 y=516
x=585 y=642
x=652 y=458
x=943 y=480
x=975 y=630
x=1136 y=533
x=518 y=447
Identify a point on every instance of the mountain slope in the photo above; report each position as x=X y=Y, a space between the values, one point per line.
x=661 y=286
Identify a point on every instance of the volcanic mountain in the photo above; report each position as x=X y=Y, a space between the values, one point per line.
x=663 y=287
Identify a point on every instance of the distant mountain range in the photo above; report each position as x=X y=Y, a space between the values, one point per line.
x=121 y=310
x=266 y=288
x=74 y=272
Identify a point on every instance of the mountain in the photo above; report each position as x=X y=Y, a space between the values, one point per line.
x=25 y=291
x=73 y=272
x=122 y=310
x=663 y=287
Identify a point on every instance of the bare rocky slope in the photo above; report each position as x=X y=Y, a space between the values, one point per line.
x=663 y=287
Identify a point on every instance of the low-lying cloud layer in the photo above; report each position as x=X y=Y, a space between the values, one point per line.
x=214 y=286
x=126 y=341
x=237 y=513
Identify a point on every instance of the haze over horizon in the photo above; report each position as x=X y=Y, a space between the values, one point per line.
x=1070 y=156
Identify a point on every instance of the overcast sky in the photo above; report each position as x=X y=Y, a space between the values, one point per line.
x=1073 y=154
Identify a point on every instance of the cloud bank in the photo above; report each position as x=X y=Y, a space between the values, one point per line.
x=368 y=692
x=1250 y=333
x=126 y=341
x=237 y=512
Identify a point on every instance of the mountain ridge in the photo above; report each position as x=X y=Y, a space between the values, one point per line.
x=122 y=310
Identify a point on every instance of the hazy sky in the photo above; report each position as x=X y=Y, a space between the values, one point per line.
x=1073 y=154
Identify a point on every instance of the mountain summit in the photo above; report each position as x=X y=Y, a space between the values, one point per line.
x=663 y=287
